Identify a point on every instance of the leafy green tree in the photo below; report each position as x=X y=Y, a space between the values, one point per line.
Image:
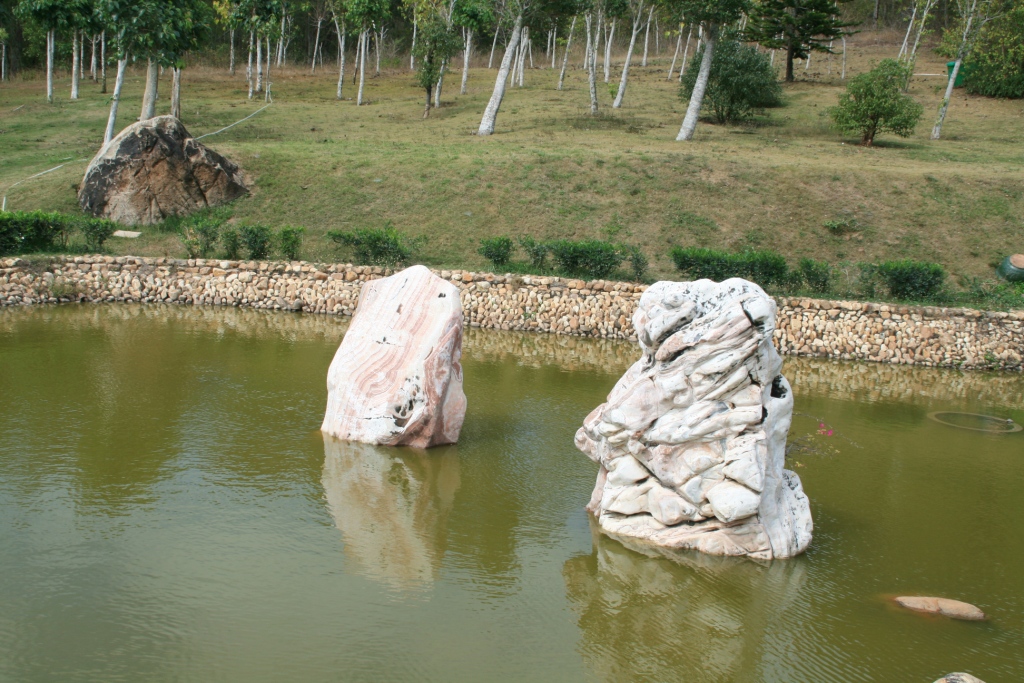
x=741 y=81
x=436 y=43
x=710 y=15
x=997 y=59
x=874 y=103
x=797 y=26
x=53 y=16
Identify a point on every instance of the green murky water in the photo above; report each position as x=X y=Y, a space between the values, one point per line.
x=169 y=511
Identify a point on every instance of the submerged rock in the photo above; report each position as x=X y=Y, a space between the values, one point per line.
x=954 y=609
x=959 y=677
x=396 y=379
x=692 y=439
x=154 y=169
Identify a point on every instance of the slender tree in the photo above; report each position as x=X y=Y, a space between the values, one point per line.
x=973 y=16
x=519 y=8
x=637 y=8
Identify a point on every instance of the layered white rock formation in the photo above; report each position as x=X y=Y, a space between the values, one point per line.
x=397 y=376
x=692 y=439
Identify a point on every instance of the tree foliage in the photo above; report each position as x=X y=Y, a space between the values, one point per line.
x=874 y=103
x=742 y=80
x=997 y=58
x=797 y=26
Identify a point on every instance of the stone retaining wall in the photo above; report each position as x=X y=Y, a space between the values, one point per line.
x=927 y=336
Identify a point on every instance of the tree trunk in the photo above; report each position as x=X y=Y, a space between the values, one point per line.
x=248 y=68
x=231 y=55
x=267 y=97
x=592 y=61
x=807 y=62
x=316 y=45
x=92 y=58
x=617 y=104
x=465 y=61
x=440 y=82
x=150 y=94
x=565 y=57
x=937 y=129
x=412 y=49
x=906 y=37
x=789 y=63
x=103 y=61
x=686 y=53
x=50 y=39
x=176 y=93
x=647 y=35
x=76 y=59
x=675 y=55
x=494 y=44
x=355 y=62
x=529 y=47
x=362 y=66
x=115 y=99
x=3 y=61
x=426 y=106
x=280 y=45
x=554 y=46
x=259 y=64
x=697 y=98
x=341 y=53
x=491 y=112
x=378 y=38
x=843 y=76
x=608 y=53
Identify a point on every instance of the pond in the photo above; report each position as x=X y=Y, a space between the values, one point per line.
x=170 y=511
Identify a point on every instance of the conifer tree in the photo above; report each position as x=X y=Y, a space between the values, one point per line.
x=797 y=26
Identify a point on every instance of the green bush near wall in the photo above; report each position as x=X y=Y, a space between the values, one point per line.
x=24 y=232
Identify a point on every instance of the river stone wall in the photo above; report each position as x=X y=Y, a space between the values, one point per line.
x=909 y=335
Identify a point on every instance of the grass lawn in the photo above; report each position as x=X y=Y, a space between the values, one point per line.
x=552 y=171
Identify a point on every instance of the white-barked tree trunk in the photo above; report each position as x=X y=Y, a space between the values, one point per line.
x=494 y=104
x=697 y=97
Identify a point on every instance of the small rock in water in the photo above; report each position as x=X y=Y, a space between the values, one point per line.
x=954 y=609
x=959 y=677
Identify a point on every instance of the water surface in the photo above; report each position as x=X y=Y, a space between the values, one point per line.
x=170 y=511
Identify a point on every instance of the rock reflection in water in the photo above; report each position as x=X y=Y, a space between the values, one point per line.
x=649 y=613
x=391 y=506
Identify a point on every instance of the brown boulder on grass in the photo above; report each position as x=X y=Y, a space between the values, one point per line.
x=154 y=169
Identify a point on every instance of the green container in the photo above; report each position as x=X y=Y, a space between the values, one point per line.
x=965 y=71
x=1012 y=268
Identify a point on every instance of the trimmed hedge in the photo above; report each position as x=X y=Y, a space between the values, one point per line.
x=497 y=250
x=908 y=279
x=375 y=246
x=587 y=258
x=763 y=267
x=24 y=232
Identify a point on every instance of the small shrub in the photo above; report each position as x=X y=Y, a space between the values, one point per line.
x=867 y=280
x=997 y=58
x=638 y=263
x=375 y=246
x=257 y=241
x=842 y=226
x=96 y=231
x=741 y=81
x=497 y=250
x=912 y=279
x=290 y=241
x=536 y=251
x=190 y=240
x=817 y=275
x=232 y=244
x=587 y=258
x=64 y=289
x=874 y=103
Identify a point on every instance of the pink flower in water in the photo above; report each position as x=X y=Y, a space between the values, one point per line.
x=829 y=433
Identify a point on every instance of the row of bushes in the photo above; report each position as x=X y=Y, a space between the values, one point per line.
x=201 y=234
x=38 y=231
x=904 y=279
x=594 y=259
